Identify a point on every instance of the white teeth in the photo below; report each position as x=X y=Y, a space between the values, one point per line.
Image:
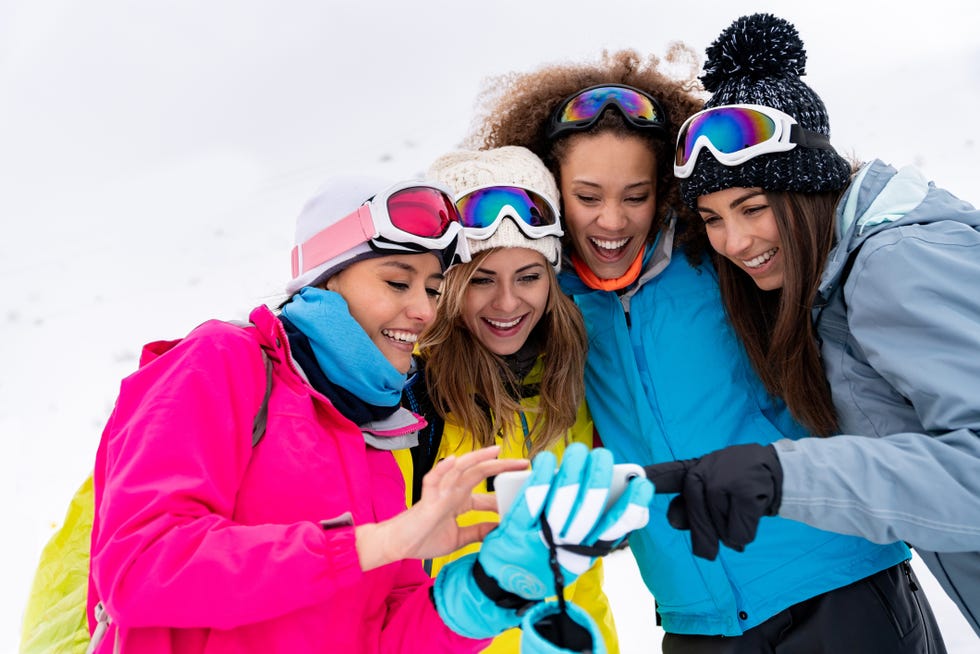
x=761 y=259
x=609 y=245
x=404 y=337
x=504 y=325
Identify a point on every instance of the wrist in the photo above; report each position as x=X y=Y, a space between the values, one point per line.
x=464 y=607
x=374 y=545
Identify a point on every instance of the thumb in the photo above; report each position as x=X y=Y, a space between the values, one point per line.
x=677 y=513
x=669 y=477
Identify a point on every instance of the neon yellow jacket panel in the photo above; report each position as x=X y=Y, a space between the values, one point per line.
x=587 y=591
x=54 y=620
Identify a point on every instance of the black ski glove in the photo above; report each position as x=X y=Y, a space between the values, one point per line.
x=723 y=495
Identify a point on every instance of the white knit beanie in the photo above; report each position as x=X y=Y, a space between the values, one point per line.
x=510 y=165
x=338 y=198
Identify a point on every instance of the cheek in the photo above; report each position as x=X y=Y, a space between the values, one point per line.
x=540 y=300
x=642 y=217
x=471 y=307
x=574 y=218
x=716 y=237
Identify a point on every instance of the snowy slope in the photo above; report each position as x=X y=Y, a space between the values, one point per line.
x=153 y=157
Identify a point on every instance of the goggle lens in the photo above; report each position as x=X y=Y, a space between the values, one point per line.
x=483 y=207
x=728 y=129
x=589 y=103
x=421 y=211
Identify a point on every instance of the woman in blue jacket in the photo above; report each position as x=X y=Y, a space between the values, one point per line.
x=666 y=378
x=855 y=293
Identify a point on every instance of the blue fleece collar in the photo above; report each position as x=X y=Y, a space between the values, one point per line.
x=343 y=350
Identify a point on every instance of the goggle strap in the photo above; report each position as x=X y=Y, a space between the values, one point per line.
x=354 y=229
x=809 y=139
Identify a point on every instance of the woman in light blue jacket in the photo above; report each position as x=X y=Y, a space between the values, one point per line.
x=858 y=299
x=666 y=378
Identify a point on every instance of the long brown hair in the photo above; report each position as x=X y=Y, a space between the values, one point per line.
x=458 y=367
x=516 y=109
x=776 y=326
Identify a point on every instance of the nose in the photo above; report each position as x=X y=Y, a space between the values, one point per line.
x=612 y=217
x=505 y=299
x=421 y=306
x=737 y=238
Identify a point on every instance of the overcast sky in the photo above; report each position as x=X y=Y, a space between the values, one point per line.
x=153 y=156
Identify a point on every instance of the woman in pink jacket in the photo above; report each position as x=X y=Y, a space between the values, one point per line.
x=246 y=498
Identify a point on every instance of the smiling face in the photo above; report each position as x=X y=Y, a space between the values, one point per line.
x=393 y=298
x=742 y=227
x=608 y=187
x=506 y=297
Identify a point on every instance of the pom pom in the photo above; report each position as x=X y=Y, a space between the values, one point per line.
x=756 y=46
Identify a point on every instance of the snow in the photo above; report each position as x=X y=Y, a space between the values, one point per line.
x=153 y=157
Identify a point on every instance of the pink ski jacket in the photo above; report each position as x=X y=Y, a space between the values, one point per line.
x=203 y=544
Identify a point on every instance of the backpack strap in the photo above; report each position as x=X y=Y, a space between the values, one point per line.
x=262 y=417
x=102 y=621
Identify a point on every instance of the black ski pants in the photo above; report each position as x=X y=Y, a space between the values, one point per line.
x=886 y=613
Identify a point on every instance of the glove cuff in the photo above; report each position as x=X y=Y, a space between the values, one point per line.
x=502 y=598
x=776 y=470
x=464 y=607
x=547 y=630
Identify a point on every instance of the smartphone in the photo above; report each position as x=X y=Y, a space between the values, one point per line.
x=507 y=484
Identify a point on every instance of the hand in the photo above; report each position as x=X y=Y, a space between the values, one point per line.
x=723 y=495
x=479 y=595
x=516 y=556
x=429 y=529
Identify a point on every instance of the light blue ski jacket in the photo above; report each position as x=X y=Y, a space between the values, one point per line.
x=667 y=379
x=898 y=314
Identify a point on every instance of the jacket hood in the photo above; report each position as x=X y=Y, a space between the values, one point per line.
x=881 y=198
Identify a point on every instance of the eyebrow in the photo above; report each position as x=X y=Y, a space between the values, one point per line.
x=407 y=267
x=737 y=201
x=628 y=187
x=744 y=198
x=487 y=271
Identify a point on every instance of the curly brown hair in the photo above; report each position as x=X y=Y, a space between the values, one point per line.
x=516 y=109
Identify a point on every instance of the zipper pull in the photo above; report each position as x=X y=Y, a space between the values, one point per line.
x=908 y=575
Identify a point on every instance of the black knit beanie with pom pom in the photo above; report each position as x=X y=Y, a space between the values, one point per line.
x=759 y=59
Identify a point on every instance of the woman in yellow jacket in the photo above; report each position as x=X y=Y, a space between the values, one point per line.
x=503 y=362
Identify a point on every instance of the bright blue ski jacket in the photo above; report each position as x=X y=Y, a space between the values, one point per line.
x=667 y=379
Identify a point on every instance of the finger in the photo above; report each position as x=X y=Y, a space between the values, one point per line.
x=531 y=497
x=485 y=469
x=476 y=456
x=474 y=467
x=704 y=537
x=475 y=533
x=594 y=488
x=564 y=494
x=668 y=477
x=630 y=512
x=439 y=471
x=483 y=502
x=743 y=522
x=677 y=513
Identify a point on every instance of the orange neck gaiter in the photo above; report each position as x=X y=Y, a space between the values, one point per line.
x=593 y=281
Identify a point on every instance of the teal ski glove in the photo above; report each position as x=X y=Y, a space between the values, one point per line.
x=550 y=628
x=465 y=608
x=483 y=594
x=569 y=504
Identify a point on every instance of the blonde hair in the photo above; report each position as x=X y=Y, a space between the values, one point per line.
x=477 y=387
